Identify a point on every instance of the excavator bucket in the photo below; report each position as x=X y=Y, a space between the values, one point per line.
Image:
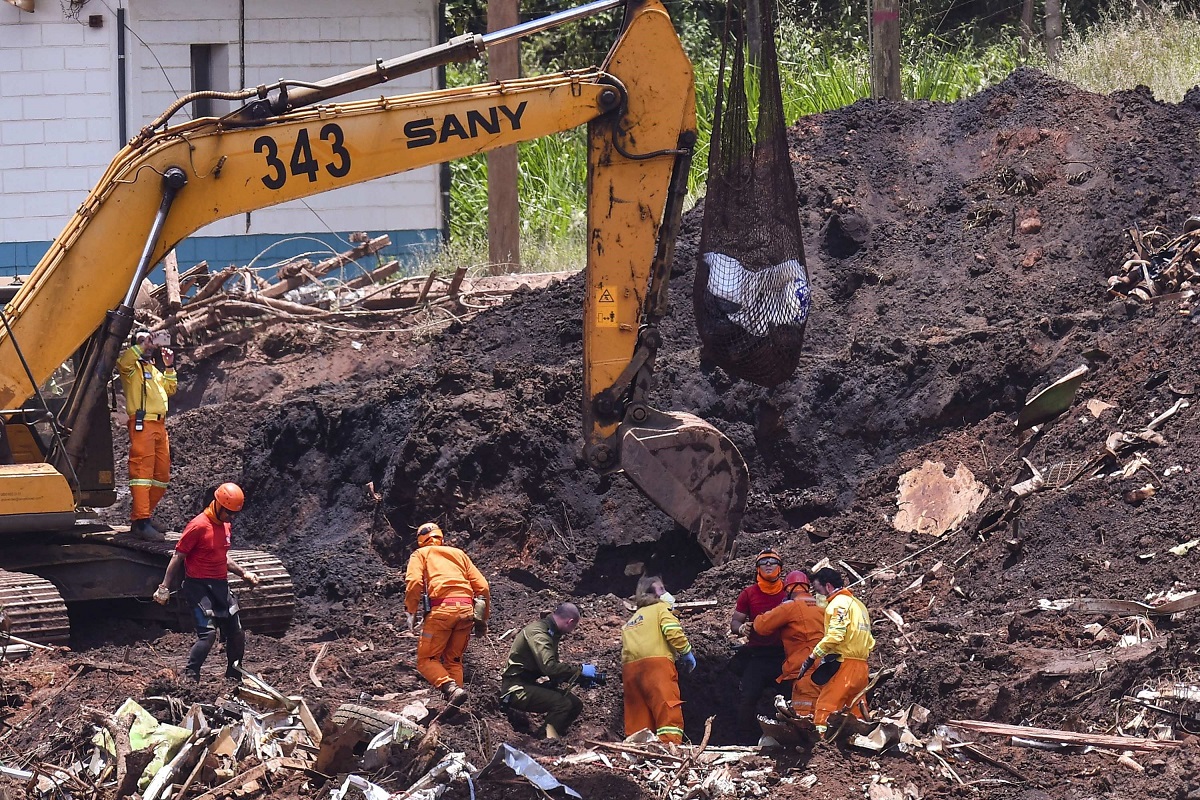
x=690 y=470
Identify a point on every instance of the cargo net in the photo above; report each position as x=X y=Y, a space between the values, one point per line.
x=751 y=293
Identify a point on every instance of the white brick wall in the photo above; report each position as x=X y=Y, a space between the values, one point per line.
x=57 y=90
x=305 y=40
x=58 y=99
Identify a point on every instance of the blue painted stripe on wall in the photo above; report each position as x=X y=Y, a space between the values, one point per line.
x=19 y=258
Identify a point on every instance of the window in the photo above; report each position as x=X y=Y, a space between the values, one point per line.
x=210 y=72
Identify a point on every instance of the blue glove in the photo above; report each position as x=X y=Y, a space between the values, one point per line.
x=687 y=662
x=588 y=671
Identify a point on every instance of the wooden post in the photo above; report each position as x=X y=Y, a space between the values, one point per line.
x=504 y=211
x=1053 y=29
x=885 y=49
x=171 y=279
x=1026 y=27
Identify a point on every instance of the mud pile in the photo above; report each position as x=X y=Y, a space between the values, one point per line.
x=958 y=255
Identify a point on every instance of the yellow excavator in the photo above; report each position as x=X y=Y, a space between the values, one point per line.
x=67 y=323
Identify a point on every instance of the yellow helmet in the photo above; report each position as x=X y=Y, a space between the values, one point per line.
x=429 y=533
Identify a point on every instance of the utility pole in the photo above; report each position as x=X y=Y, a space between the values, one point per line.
x=885 y=49
x=504 y=212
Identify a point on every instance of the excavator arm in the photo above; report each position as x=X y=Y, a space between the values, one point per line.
x=640 y=110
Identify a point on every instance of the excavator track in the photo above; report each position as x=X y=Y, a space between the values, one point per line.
x=33 y=609
x=266 y=608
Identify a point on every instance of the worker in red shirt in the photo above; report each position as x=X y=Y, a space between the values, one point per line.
x=801 y=623
x=202 y=553
x=760 y=660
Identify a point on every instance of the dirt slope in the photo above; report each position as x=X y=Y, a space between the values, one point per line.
x=959 y=256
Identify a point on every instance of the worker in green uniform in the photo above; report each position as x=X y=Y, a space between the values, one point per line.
x=534 y=656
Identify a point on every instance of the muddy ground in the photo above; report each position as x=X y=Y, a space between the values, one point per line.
x=959 y=256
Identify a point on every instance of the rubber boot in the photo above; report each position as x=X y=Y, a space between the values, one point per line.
x=454 y=694
x=551 y=733
x=142 y=529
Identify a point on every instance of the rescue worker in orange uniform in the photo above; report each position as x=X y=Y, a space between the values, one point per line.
x=146 y=392
x=652 y=645
x=202 y=553
x=448 y=577
x=760 y=660
x=845 y=647
x=801 y=623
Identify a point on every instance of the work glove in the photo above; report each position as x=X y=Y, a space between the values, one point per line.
x=411 y=621
x=806 y=666
x=168 y=356
x=481 y=627
x=746 y=628
x=588 y=671
x=250 y=577
x=162 y=595
x=686 y=662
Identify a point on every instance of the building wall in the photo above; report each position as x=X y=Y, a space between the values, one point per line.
x=59 y=101
x=57 y=123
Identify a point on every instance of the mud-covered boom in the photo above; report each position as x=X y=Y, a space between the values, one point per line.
x=289 y=141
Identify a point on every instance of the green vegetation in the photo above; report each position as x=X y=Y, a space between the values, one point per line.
x=1128 y=48
x=819 y=72
x=816 y=76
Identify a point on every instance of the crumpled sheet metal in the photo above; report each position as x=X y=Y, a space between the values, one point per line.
x=527 y=768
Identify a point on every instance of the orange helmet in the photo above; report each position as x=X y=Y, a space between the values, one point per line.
x=230 y=496
x=429 y=533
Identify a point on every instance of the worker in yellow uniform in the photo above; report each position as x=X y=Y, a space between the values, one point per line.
x=801 y=622
x=146 y=392
x=451 y=582
x=843 y=650
x=652 y=644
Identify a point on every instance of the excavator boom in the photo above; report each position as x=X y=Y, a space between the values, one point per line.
x=639 y=106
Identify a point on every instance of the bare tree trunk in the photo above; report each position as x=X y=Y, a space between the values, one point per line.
x=754 y=29
x=504 y=212
x=1027 y=27
x=885 y=49
x=1054 y=29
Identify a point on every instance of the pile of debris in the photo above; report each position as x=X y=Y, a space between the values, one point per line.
x=258 y=742
x=236 y=302
x=1160 y=267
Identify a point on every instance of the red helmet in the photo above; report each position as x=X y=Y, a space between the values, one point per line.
x=429 y=533
x=230 y=496
x=794 y=577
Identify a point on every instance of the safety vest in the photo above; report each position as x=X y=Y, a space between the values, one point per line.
x=847 y=628
x=653 y=631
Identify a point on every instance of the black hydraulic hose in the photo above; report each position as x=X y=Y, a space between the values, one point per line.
x=37 y=391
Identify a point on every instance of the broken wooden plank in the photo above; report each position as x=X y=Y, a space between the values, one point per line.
x=215 y=284
x=635 y=751
x=1062 y=737
x=312 y=671
x=425 y=289
x=456 y=281
x=290 y=282
x=374 y=276
x=269 y=766
x=187 y=279
x=171 y=281
x=1122 y=607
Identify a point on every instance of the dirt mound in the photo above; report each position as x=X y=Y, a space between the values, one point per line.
x=958 y=257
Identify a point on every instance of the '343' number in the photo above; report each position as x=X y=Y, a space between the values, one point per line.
x=302 y=162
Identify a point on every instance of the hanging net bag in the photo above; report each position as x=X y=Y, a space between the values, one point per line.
x=751 y=293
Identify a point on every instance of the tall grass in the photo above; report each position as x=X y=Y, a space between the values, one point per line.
x=816 y=74
x=1129 y=48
